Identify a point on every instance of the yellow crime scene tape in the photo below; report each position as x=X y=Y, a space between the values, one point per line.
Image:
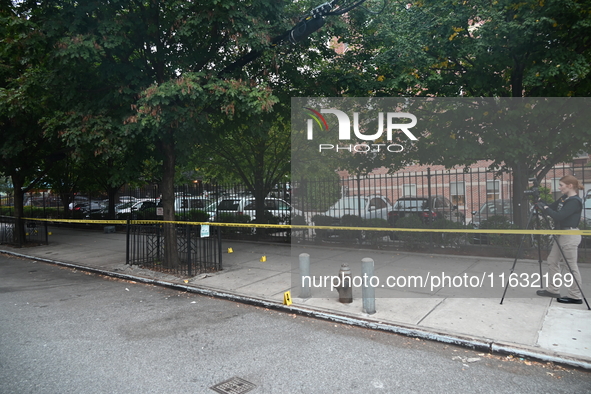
x=303 y=227
x=78 y=221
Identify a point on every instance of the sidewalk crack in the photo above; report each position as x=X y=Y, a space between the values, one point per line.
x=428 y=313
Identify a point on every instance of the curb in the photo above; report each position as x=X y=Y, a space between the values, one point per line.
x=481 y=344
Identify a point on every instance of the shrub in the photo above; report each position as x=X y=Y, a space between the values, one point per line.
x=322 y=220
x=412 y=240
x=34 y=212
x=193 y=215
x=148 y=214
x=77 y=215
x=269 y=218
x=52 y=213
x=447 y=239
x=234 y=218
x=125 y=216
x=7 y=211
x=498 y=222
x=297 y=220
x=350 y=221
x=98 y=216
x=374 y=236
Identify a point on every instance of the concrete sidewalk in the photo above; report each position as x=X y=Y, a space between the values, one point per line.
x=524 y=325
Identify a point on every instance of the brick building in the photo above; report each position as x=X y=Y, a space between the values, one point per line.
x=468 y=188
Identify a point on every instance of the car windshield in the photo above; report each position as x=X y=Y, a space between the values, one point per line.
x=405 y=204
x=228 y=205
x=496 y=207
x=588 y=204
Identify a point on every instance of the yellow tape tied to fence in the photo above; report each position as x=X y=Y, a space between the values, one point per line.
x=303 y=227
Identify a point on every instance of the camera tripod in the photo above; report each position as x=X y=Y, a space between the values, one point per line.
x=534 y=211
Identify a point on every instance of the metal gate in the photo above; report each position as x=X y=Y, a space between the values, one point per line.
x=196 y=254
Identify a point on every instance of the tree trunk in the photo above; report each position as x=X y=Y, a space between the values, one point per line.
x=111 y=193
x=517 y=78
x=171 y=255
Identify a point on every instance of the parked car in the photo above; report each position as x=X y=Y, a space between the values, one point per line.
x=76 y=201
x=500 y=212
x=282 y=193
x=135 y=207
x=76 y=206
x=211 y=210
x=492 y=208
x=87 y=207
x=190 y=202
x=246 y=206
x=124 y=205
x=366 y=207
x=428 y=209
x=351 y=211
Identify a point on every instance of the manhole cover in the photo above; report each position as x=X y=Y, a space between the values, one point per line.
x=233 y=386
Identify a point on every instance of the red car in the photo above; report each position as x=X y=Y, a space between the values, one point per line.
x=428 y=209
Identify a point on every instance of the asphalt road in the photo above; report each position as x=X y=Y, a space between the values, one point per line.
x=66 y=331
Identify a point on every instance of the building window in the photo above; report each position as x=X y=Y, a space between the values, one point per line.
x=458 y=193
x=493 y=190
x=409 y=190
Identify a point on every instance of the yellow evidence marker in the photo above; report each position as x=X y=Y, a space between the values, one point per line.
x=263 y=259
x=287 y=298
x=230 y=250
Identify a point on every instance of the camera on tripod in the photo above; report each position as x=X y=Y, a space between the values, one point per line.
x=534 y=191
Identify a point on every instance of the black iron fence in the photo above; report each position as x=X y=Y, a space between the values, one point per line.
x=196 y=252
x=468 y=189
x=33 y=232
x=465 y=198
x=8 y=230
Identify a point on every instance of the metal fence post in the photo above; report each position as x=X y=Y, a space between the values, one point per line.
x=219 y=234
x=189 y=250
x=127 y=244
x=46 y=234
x=368 y=292
x=20 y=226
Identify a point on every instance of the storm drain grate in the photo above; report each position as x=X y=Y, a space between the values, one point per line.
x=233 y=386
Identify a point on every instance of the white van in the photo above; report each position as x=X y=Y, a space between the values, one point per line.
x=246 y=206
